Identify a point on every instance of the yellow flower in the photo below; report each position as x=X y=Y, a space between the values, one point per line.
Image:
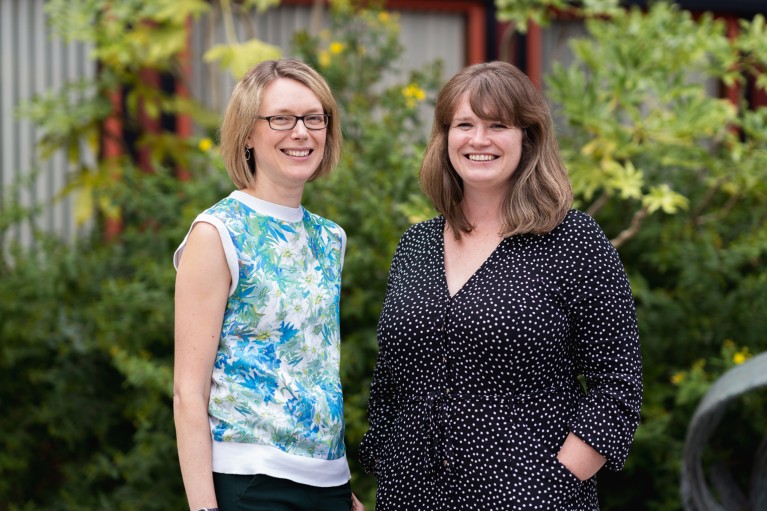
x=336 y=47
x=414 y=91
x=383 y=16
x=741 y=356
x=677 y=378
x=205 y=145
x=324 y=58
x=413 y=94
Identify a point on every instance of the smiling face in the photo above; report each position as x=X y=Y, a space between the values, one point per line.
x=484 y=153
x=285 y=160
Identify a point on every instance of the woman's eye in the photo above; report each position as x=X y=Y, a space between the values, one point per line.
x=314 y=121
x=463 y=125
x=498 y=126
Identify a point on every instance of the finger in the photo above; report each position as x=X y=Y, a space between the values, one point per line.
x=356 y=504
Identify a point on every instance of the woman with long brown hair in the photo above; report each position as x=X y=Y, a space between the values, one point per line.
x=494 y=310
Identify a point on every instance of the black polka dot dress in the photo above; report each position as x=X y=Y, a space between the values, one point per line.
x=474 y=394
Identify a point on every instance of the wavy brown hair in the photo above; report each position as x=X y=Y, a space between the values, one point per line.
x=245 y=104
x=538 y=194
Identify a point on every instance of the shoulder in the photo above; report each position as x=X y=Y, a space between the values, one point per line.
x=419 y=239
x=225 y=209
x=578 y=228
x=578 y=237
x=578 y=221
x=424 y=231
x=204 y=236
x=324 y=226
x=203 y=245
x=321 y=221
x=579 y=242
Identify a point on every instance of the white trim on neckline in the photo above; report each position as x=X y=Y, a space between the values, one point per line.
x=267 y=208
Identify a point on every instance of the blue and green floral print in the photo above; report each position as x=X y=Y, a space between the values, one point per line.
x=276 y=375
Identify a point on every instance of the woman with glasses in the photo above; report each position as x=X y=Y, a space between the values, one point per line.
x=494 y=311
x=257 y=395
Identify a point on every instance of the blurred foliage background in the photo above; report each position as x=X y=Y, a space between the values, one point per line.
x=676 y=177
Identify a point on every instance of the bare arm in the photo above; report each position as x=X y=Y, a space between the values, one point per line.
x=202 y=288
x=579 y=457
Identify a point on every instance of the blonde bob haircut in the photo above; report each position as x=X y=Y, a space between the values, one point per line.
x=538 y=194
x=244 y=107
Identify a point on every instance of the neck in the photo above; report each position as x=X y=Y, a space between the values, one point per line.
x=484 y=213
x=290 y=197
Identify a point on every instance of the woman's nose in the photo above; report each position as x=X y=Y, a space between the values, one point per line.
x=479 y=136
x=299 y=130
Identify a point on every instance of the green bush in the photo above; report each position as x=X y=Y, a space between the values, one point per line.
x=86 y=355
x=374 y=192
x=86 y=334
x=675 y=176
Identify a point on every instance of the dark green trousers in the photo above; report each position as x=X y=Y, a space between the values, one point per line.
x=265 y=493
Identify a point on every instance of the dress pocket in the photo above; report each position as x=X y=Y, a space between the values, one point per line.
x=566 y=474
x=570 y=485
x=542 y=482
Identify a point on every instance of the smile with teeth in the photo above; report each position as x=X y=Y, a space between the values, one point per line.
x=297 y=152
x=481 y=157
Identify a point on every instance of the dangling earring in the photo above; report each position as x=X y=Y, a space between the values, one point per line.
x=250 y=160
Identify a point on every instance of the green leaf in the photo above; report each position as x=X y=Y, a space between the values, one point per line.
x=662 y=197
x=239 y=58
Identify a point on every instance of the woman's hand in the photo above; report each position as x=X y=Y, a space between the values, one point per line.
x=580 y=458
x=356 y=504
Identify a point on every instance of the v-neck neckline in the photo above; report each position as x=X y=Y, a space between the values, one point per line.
x=473 y=276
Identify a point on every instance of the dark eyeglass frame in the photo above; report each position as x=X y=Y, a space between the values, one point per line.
x=296 y=118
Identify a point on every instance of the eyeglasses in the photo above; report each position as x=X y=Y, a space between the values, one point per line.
x=288 y=122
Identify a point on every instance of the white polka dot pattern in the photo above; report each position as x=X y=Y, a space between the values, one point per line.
x=474 y=394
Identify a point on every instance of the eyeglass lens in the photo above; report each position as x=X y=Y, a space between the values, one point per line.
x=286 y=122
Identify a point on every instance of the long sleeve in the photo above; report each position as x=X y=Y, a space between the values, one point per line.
x=382 y=406
x=606 y=337
x=474 y=392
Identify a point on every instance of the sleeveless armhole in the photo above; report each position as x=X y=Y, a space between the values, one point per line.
x=226 y=241
x=343 y=245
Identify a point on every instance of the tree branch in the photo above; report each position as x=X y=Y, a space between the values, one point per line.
x=598 y=204
x=628 y=233
x=706 y=200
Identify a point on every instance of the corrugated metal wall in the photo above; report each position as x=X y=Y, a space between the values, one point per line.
x=425 y=36
x=555 y=42
x=212 y=87
x=33 y=62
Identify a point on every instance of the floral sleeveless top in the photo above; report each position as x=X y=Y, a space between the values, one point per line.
x=276 y=375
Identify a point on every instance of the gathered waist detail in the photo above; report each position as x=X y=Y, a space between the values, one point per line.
x=448 y=394
x=439 y=453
